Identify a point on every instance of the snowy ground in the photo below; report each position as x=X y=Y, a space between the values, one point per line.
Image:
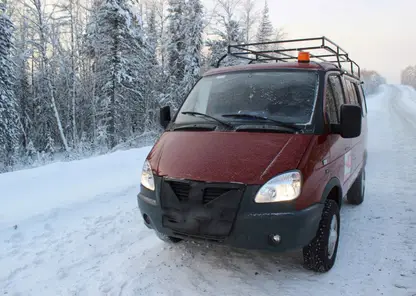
x=79 y=231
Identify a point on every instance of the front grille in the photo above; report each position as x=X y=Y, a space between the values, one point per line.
x=181 y=190
x=212 y=193
x=200 y=209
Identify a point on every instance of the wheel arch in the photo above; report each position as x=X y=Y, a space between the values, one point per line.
x=333 y=191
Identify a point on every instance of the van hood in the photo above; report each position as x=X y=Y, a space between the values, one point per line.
x=243 y=157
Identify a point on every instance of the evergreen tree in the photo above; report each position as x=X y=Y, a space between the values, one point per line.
x=177 y=37
x=156 y=85
x=265 y=31
x=194 y=30
x=22 y=87
x=121 y=62
x=9 y=122
x=152 y=32
x=176 y=50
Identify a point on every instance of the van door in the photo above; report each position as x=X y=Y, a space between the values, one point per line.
x=354 y=97
x=361 y=148
x=340 y=151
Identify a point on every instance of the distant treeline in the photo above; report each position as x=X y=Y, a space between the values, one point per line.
x=408 y=76
x=372 y=80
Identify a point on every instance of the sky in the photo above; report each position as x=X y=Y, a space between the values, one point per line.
x=378 y=35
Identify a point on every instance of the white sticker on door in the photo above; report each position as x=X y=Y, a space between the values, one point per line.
x=347 y=165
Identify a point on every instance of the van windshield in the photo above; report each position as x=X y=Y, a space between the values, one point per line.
x=286 y=96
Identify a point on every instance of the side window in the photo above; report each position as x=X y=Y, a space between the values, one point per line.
x=361 y=99
x=338 y=93
x=330 y=105
x=351 y=93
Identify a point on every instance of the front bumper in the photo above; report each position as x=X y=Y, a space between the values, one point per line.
x=254 y=224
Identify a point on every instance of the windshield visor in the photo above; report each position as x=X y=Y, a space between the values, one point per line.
x=287 y=96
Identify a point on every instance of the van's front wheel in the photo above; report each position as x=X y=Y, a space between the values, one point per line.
x=321 y=252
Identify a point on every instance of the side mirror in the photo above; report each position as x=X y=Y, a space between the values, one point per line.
x=350 y=126
x=165 y=117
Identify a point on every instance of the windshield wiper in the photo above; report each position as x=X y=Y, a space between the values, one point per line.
x=208 y=116
x=280 y=123
x=195 y=127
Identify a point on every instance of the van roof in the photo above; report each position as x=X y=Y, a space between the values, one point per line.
x=272 y=66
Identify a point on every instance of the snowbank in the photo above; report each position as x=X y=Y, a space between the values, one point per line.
x=29 y=193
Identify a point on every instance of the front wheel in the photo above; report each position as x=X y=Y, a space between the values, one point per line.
x=321 y=252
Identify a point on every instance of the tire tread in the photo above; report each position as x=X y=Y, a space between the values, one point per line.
x=315 y=254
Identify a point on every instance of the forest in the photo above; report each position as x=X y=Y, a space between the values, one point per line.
x=408 y=76
x=86 y=77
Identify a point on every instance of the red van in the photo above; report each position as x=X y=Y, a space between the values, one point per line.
x=260 y=156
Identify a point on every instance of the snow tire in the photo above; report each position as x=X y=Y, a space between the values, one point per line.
x=317 y=255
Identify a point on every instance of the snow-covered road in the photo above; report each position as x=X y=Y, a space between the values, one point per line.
x=74 y=229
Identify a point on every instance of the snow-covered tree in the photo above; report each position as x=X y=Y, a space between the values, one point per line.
x=71 y=22
x=176 y=51
x=372 y=80
x=177 y=39
x=152 y=32
x=184 y=49
x=121 y=61
x=228 y=31
x=250 y=18
x=408 y=76
x=159 y=9
x=9 y=122
x=193 y=43
x=156 y=82
x=43 y=75
x=265 y=31
x=218 y=47
x=22 y=88
x=91 y=74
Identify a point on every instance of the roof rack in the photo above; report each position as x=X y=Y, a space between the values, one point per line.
x=321 y=49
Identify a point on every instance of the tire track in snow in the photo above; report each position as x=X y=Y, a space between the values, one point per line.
x=370 y=238
x=405 y=141
x=406 y=117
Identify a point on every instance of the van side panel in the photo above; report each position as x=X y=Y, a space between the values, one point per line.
x=329 y=157
x=314 y=167
x=326 y=161
x=359 y=144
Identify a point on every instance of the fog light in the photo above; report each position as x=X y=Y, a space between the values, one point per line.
x=276 y=238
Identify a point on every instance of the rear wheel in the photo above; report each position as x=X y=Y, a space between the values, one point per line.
x=321 y=252
x=356 y=193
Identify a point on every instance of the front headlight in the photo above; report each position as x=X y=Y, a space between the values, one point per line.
x=147 y=176
x=284 y=187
